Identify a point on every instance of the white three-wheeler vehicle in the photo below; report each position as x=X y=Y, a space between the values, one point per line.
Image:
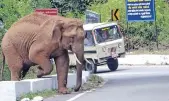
x=103 y=44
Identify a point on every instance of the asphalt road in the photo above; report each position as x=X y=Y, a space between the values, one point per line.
x=128 y=83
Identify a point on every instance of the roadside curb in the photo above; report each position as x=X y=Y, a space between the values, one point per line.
x=142 y=65
x=144 y=59
x=11 y=90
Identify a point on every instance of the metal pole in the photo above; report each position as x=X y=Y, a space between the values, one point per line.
x=156 y=35
x=156 y=26
x=127 y=37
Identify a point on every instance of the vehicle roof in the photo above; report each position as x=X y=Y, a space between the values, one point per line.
x=97 y=25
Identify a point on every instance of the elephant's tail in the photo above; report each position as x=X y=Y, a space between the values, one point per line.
x=2 y=68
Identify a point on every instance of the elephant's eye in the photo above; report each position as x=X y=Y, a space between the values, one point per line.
x=71 y=26
x=71 y=39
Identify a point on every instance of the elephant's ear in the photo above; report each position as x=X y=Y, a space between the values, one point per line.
x=80 y=28
x=80 y=23
x=49 y=29
x=70 y=27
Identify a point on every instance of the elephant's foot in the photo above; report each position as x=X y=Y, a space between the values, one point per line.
x=43 y=72
x=64 y=90
x=40 y=74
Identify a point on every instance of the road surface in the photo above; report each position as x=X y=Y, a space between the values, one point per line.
x=128 y=83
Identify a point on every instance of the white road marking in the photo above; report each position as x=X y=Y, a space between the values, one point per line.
x=77 y=96
x=133 y=74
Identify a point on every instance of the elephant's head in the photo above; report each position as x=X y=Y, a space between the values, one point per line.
x=72 y=38
x=73 y=35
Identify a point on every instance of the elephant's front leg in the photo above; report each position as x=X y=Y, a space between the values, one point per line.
x=45 y=66
x=62 y=66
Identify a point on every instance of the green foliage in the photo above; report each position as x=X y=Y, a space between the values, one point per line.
x=76 y=7
x=40 y=4
x=93 y=81
x=45 y=94
x=6 y=72
x=12 y=10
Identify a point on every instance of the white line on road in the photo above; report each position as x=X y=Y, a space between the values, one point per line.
x=77 y=96
x=134 y=73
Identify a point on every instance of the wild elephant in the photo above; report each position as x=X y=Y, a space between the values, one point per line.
x=36 y=38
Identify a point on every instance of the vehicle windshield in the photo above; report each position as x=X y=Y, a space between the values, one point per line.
x=109 y=33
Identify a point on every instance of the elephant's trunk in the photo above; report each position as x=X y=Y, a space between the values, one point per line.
x=79 y=67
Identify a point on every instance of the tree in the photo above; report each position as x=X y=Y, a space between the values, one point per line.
x=12 y=10
x=74 y=6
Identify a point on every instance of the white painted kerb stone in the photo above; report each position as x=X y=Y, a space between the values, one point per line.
x=10 y=90
x=71 y=80
x=40 y=84
x=54 y=80
x=85 y=75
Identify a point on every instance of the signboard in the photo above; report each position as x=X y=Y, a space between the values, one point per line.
x=140 y=10
x=92 y=17
x=115 y=15
x=49 y=11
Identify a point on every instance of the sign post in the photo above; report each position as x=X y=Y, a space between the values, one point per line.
x=92 y=17
x=48 y=11
x=141 y=10
x=115 y=15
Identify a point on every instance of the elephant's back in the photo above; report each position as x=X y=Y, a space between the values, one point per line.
x=33 y=18
x=19 y=39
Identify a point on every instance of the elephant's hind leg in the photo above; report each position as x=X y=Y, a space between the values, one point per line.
x=15 y=66
x=62 y=65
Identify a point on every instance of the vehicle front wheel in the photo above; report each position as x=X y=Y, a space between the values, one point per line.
x=92 y=68
x=112 y=64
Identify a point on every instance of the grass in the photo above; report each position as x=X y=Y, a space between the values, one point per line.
x=93 y=81
x=45 y=94
x=33 y=71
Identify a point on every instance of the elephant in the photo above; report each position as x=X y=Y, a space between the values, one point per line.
x=36 y=38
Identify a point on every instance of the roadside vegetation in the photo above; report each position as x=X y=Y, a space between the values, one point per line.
x=93 y=82
x=44 y=94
